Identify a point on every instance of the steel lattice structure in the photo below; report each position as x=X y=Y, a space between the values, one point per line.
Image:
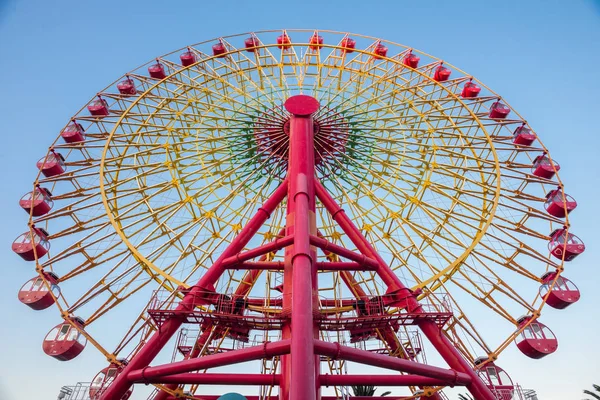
x=182 y=167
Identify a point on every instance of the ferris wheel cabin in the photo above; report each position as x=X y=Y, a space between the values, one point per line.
x=559 y=204
x=104 y=378
x=411 y=60
x=98 y=108
x=127 y=87
x=499 y=110
x=251 y=44
x=157 y=71
x=284 y=42
x=35 y=294
x=496 y=379
x=559 y=292
x=32 y=245
x=470 y=90
x=380 y=51
x=315 y=42
x=523 y=136
x=37 y=203
x=536 y=339
x=348 y=45
x=64 y=342
x=73 y=133
x=565 y=246
x=52 y=164
x=544 y=168
x=219 y=50
x=441 y=74
x=187 y=58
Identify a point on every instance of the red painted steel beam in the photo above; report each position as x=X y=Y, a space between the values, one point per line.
x=343 y=266
x=159 y=339
x=299 y=376
x=273 y=380
x=216 y=379
x=258 y=265
x=337 y=351
x=382 y=380
x=216 y=397
x=275 y=245
x=277 y=302
x=343 y=252
x=279 y=266
x=429 y=328
x=267 y=350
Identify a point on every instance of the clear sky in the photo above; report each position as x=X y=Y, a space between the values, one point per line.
x=541 y=55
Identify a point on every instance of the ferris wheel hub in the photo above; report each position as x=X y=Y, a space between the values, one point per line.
x=302 y=105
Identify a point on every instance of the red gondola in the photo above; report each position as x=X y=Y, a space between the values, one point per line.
x=35 y=294
x=523 y=136
x=563 y=293
x=102 y=381
x=187 y=58
x=251 y=44
x=565 y=245
x=544 y=168
x=497 y=380
x=499 y=110
x=51 y=165
x=559 y=204
x=411 y=60
x=315 y=42
x=127 y=87
x=64 y=342
x=157 y=71
x=470 y=90
x=536 y=340
x=380 y=51
x=28 y=247
x=348 y=45
x=219 y=50
x=73 y=133
x=284 y=42
x=37 y=203
x=441 y=74
x=98 y=108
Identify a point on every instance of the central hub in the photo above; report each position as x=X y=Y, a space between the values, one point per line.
x=272 y=132
x=302 y=105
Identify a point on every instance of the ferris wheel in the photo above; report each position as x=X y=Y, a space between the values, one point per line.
x=389 y=191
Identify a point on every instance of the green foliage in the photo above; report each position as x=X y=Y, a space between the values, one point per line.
x=595 y=394
x=366 y=390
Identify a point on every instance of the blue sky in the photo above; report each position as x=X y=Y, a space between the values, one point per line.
x=543 y=56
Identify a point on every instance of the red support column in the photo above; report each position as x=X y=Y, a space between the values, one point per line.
x=300 y=369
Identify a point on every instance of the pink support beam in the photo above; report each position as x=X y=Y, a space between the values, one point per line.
x=217 y=379
x=384 y=380
x=337 y=351
x=343 y=252
x=216 y=397
x=273 y=380
x=275 y=245
x=266 y=350
x=321 y=266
